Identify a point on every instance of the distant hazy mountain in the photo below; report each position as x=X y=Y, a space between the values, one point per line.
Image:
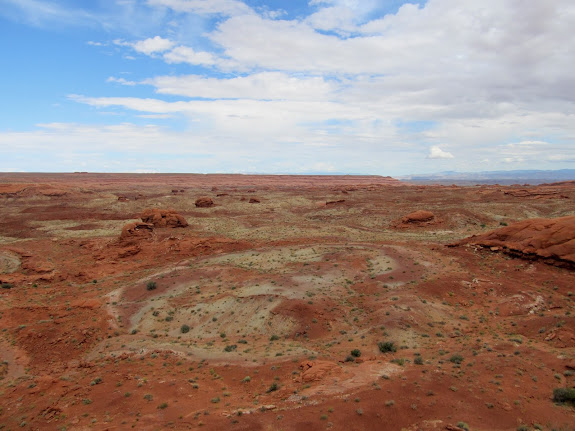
x=493 y=177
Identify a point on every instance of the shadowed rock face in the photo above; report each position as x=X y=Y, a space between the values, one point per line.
x=136 y=230
x=163 y=218
x=552 y=240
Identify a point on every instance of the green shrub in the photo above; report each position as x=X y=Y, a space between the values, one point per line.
x=274 y=338
x=6 y=286
x=387 y=346
x=273 y=387
x=151 y=285
x=456 y=359
x=356 y=353
x=185 y=329
x=230 y=348
x=564 y=395
x=418 y=360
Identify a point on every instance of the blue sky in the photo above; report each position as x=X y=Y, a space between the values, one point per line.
x=269 y=86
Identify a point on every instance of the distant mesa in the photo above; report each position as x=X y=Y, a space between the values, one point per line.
x=549 y=240
x=204 y=202
x=536 y=193
x=163 y=218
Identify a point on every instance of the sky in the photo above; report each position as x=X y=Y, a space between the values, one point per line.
x=384 y=87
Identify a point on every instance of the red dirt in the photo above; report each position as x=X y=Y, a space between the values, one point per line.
x=257 y=308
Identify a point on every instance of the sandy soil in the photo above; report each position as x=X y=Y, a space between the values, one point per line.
x=270 y=315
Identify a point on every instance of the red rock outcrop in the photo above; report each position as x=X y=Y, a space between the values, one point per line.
x=163 y=218
x=551 y=240
x=538 y=193
x=204 y=202
x=313 y=371
x=136 y=230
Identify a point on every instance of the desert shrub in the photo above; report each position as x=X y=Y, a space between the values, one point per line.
x=387 y=346
x=564 y=395
x=247 y=379
x=6 y=285
x=230 y=348
x=463 y=425
x=273 y=387
x=456 y=359
x=274 y=338
x=349 y=358
x=185 y=329
x=151 y=285
x=356 y=353
x=418 y=360
x=96 y=381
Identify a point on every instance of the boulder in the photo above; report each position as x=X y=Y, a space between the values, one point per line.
x=163 y=218
x=254 y=201
x=204 y=202
x=418 y=217
x=551 y=240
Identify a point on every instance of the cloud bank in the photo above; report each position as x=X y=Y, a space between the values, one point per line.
x=344 y=85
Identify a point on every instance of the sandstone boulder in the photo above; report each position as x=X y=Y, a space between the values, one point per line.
x=204 y=202
x=163 y=218
x=551 y=240
x=418 y=217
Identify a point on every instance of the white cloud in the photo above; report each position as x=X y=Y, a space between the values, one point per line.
x=225 y=7
x=436 y=152
x=153 y=45
x=262 y=86
x=121 y=81
x=185 y=54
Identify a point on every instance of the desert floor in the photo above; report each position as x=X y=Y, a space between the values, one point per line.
x=273 y=314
